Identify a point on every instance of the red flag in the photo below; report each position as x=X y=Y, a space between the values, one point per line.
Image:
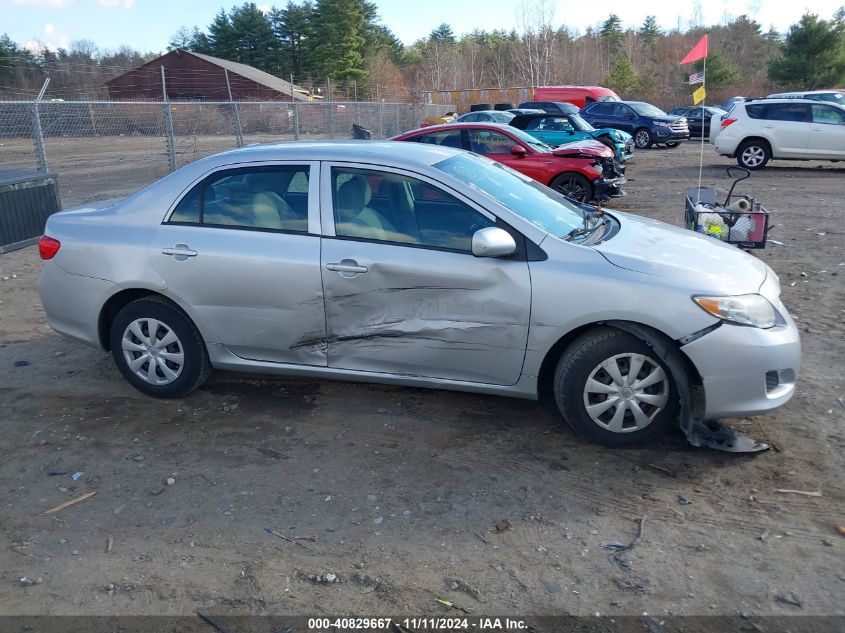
x=699 y=51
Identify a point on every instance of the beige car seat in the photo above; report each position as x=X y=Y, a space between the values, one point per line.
x=356 y=219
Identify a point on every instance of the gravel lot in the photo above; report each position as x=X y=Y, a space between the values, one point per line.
x=411 y=495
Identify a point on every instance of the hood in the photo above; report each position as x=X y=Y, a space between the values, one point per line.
x=586 y=148
x=669 y=118
x=696 y=261
x=617 y=135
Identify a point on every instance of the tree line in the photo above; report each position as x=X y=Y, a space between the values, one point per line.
x=344 y=42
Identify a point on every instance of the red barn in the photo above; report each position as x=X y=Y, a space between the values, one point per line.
x=189 y=75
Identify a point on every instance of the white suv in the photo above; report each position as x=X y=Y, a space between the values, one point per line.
x=758 y=130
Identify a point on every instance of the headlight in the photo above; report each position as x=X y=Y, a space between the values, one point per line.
x=754 y=310
x=662 y=123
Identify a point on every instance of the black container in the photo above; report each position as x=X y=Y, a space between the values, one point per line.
x=27 y=199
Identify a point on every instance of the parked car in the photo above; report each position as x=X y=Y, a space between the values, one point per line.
x=698 y=118
x=582 y=171
x=759 y=130
x=427 y=268
x=557 y=129
x=552 y=107
x=833 y=96
x=730 y=103
x=439 y=119
x=485 y=116
x=577 y=95
x=648 y=124
x=526 y=111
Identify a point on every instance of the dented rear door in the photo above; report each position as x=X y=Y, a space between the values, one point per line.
x=413 y=308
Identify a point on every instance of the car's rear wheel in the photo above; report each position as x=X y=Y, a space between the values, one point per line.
x=612 y=388
x=158 y=349
x=574 y=186
x=753 y=154
x=643 y=138
x=672 y=144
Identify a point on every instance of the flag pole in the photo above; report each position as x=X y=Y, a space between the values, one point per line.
x=701 y=153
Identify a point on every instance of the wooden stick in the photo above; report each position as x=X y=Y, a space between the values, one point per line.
x=109 y=544
x=801 y=492
x=71 y=502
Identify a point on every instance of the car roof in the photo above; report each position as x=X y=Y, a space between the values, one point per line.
x=359 y=151
x=460 y=125
x=788 y=100
x=805 y=92
x=485 y=112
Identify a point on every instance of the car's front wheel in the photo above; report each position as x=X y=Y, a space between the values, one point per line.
x=574 y=186
x=612 y=388
x=158 y=349
x=643 y=138
x=672 y=144
x=753 y=154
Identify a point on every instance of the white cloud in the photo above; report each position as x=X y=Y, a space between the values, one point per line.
x=264 y=8
x=128 y=4
x=115 y=4
x=48 y=29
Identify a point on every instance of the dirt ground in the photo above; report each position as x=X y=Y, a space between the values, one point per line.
x=401 y=490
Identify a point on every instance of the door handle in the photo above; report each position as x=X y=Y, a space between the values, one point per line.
x=180 y=250
x=346 y=267
x=769 y=127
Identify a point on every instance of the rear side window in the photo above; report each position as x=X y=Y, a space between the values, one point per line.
x=252 y=197
x=490 y=142
x=451 y=138
x=603 y=108
x=757 y=111
x=796 y=112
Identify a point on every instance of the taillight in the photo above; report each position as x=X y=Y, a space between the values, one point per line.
x=726 y=122
x=48 y=247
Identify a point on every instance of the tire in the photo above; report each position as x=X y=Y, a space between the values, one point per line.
x=643 y=138
x=671 y=144
x=606 y=140
x=753 y=154
x=477 y=107
x=573 y=186
x=503 y=106
x=584 y=362
x=180 y=366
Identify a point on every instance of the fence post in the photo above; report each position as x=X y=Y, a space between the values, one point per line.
x=296 y=121
x=239 y=133
x=380 y=120
x=396 y=120
x=38 y=136
x=168 y=125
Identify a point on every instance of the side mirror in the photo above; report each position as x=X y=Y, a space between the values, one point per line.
x=492 y=242
x=518 y=151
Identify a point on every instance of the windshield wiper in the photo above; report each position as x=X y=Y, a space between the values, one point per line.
x=585 y=230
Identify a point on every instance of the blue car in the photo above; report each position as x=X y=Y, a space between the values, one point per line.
x=648 y=124
x=557 y=129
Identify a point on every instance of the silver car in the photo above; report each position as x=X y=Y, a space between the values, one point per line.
x=424 y=266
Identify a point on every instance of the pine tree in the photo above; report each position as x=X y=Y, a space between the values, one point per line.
x=292 y=27
x=650 y=32
x=623 y=79
x=338 y=27
x=813 y=55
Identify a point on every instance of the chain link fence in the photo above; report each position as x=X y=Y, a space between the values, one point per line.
x=104 y=149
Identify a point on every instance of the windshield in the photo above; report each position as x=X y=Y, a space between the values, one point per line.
x=580 y=124
x=646 y=109
x=834 y=97
x=525 y=137
x=524 y=196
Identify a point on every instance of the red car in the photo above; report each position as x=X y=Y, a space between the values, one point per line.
x=582 y=171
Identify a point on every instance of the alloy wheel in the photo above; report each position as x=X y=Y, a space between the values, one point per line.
x=753 y=156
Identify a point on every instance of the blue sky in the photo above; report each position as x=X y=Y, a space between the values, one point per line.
x=148 y=24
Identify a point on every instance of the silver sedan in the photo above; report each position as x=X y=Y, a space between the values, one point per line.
x=424 y=266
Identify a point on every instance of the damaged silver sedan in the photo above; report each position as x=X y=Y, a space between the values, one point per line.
x=423 y=266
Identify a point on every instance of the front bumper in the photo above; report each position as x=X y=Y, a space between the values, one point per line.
x=664 y=134
x=611 y=187
x=745 y=370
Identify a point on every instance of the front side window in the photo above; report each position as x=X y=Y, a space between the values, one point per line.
x=490 y=142
x=405 y=211
x=550 y=124
x=828 y=115
x=268 y=197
